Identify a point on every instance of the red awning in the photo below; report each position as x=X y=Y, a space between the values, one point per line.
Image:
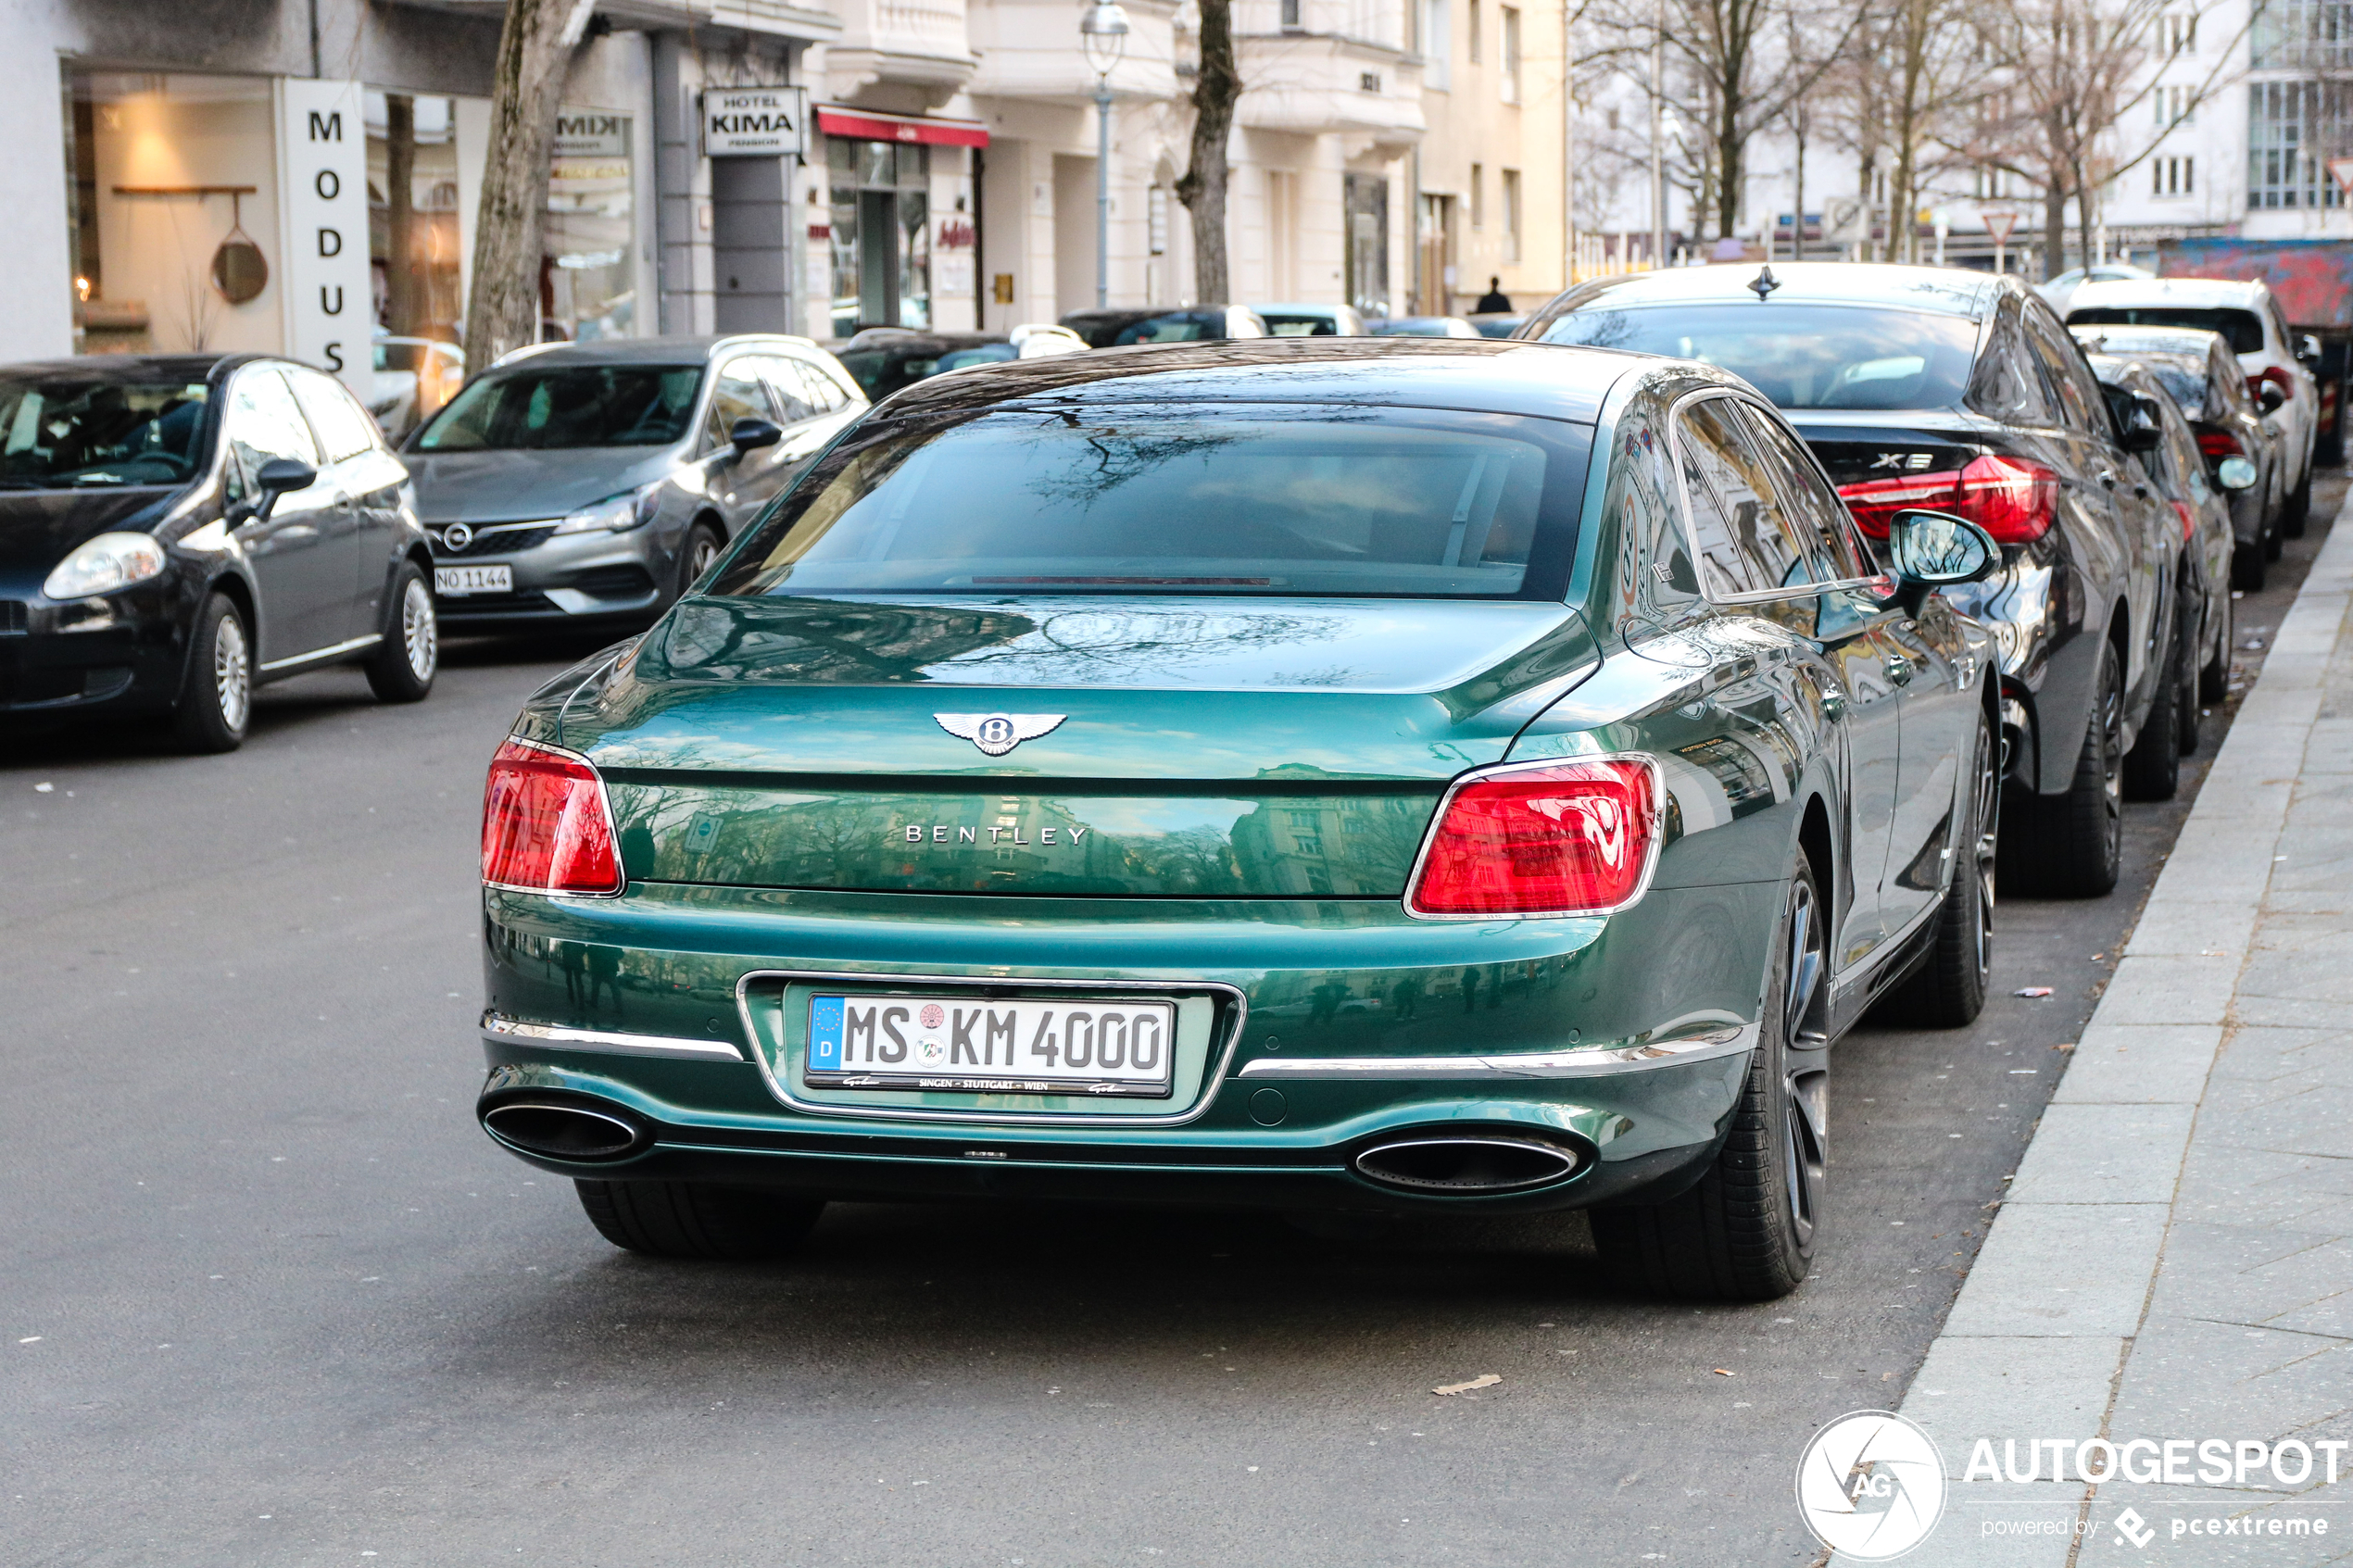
x=867 y=126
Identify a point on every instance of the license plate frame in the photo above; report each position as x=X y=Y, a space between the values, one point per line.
x=458 y=582
x=978 y=1043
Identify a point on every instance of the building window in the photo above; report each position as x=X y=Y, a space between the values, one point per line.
x=1364 y=199
x=2171 y=176
x=1511 y=54
x=1438 y=43
x=1511 y=216
x=2292 y=129
x=1291 y=15
x=881 y=234
x=2300 y=35
x=1473 y=18
x=2175 y=105
x=2177 y=31
x=1478 y=196
x=589 y=237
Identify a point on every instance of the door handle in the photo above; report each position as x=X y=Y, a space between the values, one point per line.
x=1899 y=669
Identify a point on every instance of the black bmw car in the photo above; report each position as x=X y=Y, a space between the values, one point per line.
x=1962 y=392
x=176 y=530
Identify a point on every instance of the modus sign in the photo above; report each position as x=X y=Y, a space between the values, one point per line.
x=752 y=121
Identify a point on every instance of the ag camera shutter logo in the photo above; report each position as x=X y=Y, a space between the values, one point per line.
x=1872 y=1485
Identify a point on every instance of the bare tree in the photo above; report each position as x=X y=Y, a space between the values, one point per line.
x=1202 y=188
x=535 y=51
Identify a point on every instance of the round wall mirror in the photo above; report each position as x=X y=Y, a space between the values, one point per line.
x=239 y=270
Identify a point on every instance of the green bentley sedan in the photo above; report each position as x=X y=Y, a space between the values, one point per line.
x=1316 y=774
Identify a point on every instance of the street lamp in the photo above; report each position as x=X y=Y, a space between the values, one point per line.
x=1102 y=33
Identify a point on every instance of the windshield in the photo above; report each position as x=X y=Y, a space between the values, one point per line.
x=1262 y=500
x=1800 y=356
x=2242 y=328
x=1177 y=326
x=60 y=433
x=545 y=406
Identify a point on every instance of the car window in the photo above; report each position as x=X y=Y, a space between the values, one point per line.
x=1811 y=508
x=60 y=430
x=263 y=423
x=1749 y=518
x=343 y=427
x=736 y=393
x=1177 y=326
x=548 y=407
x=2242 y=328
x=2066 y=380
x=1799 y=355
x=1301 y=326
x=786 y=390
x=826 y=393
x=2005 y=385
x=1245 y=500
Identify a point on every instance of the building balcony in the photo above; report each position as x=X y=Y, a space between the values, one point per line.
x=892 y=51
x=814 y=23
x=1311 y=83
x=1030 y=49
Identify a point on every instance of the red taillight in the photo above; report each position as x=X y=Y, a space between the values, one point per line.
x=2219 y=444
x=1562 y=838
x=1875 y=502
x=2189 y=519
x=545 y=826
x=2013 y=500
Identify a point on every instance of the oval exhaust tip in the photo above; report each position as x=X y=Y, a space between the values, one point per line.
x=563 y=1132
x=1467 y=1167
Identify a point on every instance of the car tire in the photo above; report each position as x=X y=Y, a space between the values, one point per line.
x=701 y=547
x=2214 y=676
x=699 y=1220
x=1949 y=990
x=216 y=696
x=402 y=668
x=2298 y=510
x=2153 y=768
x=1746 y=1230
x=2250 y=565
x=2071 y=846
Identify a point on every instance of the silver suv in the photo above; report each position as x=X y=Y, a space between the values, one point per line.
x=589 y=483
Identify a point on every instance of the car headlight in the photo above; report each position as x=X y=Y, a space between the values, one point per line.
x=614 y=513
x=102 y=564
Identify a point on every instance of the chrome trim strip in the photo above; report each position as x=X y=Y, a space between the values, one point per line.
x=481 y=528
x=1598 y=1061
x=496 y=1027
x=1221 y=1057
x=352 y=646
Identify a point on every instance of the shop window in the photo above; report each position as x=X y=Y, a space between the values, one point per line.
x=414 y=254
x=587 y=276
x=881 y=234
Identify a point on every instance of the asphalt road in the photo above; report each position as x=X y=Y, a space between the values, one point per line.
x=268 y=1297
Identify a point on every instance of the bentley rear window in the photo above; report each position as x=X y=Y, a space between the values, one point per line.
x=1248 y=499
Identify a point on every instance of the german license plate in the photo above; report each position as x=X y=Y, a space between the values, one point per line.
x=458 y=581
x=988 y=1045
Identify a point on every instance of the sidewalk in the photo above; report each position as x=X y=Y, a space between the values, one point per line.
x=2175 y=1260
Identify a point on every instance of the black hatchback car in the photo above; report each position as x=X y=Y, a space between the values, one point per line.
x=177 y=529
x=1961 y=392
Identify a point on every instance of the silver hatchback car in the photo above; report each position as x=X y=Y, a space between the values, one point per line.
x=589 y=483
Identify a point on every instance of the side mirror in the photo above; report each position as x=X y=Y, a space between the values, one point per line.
x=2236 y=474
x=2308 y=349
x=275 y=478
x=2271 y=396
x=1932 y=550
x=2144 y=431
x=749 y=435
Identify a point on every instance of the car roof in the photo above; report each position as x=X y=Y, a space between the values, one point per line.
x=1480 y=375
x=1302 y=309
x=871 y=338
x=2192 y=291
x=654 y=350
x=130 y=370
x=1950 y=291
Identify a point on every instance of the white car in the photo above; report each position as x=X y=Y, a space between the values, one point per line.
x=2277 y=361
x=2060 y=290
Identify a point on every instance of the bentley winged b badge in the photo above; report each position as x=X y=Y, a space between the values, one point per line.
x=996 y=733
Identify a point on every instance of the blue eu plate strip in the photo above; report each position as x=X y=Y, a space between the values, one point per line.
x=824 y=1033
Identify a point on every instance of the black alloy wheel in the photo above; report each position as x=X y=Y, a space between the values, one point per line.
x=216 y=696
x=1747 y=1231
x=2072 y=845
x=699 y=1220
x=2153 y=768
x=402 y=668
x=1949 y=990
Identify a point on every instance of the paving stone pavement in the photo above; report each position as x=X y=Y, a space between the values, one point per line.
x=2174 y=1265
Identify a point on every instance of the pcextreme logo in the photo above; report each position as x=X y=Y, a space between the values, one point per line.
x=1872 y=1485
